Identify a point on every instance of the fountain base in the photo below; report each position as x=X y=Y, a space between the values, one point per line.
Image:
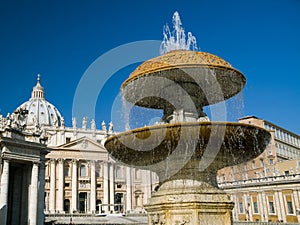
x=179 y=202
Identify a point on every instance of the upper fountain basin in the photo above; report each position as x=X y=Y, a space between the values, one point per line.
x=186 y=149
x=203 y=77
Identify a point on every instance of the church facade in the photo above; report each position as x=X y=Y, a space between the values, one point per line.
x=22 y=172
x=77 y=174
x=81 y=177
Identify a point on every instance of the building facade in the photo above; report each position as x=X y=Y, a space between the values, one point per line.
x=22 y=173
x=80 y=176
x=50 y=169
x=266 y=188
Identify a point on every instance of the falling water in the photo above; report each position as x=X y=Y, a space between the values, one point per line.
x=126 y=107
x=177 y=39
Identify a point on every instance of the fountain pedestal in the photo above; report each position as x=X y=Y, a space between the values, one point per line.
x=179 y=202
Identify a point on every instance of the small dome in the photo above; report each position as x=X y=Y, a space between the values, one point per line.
x=40 y=111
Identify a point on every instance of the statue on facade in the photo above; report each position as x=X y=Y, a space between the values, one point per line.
x=93 y=124
x=62 y=124
x=103 y=126
x=111 y=127
x=16 y=120
x=84 y=122
x=74 y=123
x=2 y=122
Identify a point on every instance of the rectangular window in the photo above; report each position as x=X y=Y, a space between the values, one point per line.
x=286 y=173
x=271 y=161
x=255 y=207
x=290 y=207
x=68 y=140
x=232 y=169
x=118 y=172
x=137 y=174
x=271 y=208
x=66 y=170
x=241 y=207
x=223 y=177
x=82 y=171
x=97 y=170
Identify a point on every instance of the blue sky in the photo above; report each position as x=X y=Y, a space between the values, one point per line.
x=61 y=39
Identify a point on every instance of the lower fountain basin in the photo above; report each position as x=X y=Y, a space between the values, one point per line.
x=194 y=150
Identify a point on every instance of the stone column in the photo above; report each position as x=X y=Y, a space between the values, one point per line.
x=246 y=207
x=93 y=187
x=296 y=199
x=88 y=202
x=235 y=209
x=41 y=193
x=105 y=187
x=33 y=198
x=60 y=194
x=278 y=205
x=74 y=186
x=282 y=206
x=295 y=194
x=261 y=207
x=4 y=191
x=47 y=203
x=128 y=189
x=265 y=211
x=111 y=187
x=52 y=186
x=146 y=181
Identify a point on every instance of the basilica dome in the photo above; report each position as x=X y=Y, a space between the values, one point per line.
x=39 y=111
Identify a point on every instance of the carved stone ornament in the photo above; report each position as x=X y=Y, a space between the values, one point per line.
x=158 y=219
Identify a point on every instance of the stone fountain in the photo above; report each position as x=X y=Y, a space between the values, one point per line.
x=186 y=149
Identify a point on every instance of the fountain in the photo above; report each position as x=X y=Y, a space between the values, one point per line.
x=186 y=149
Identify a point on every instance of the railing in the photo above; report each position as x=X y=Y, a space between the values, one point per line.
x=263 y=223
x=261 y=181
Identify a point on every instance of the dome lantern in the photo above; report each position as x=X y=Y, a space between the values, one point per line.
x=38 y=90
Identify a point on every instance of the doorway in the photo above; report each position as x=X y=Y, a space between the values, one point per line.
x=82 y=202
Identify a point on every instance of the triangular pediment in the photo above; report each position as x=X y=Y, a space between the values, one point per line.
x=82 y=144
